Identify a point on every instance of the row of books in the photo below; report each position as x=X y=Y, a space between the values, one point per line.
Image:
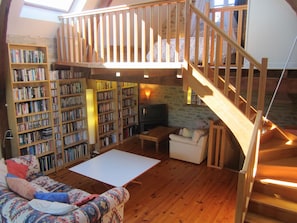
x=108 y=140
x=129 y=121
x=128 y=111
x=76 y=137
x=104 y=85
x=28 y=92
x=74 y=114
x=128 y=91
x=106 y=117
x=71 y=88
x=106 y=128
x=32 y=118
x=65 y=74
x=47 y=163
x=106 y=95
x=26 y=75
x=129 y=102
x=72 y=101
x=25 y=108
x=35 y=136
x=38 y=149
x=106 y=107
x=27 y=56
x=73 y=126
x=76 y=152
x=25 y=126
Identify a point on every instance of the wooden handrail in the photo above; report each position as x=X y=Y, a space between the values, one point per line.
x=248 y=172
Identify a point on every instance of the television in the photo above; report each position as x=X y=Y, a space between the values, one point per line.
x=152 y=115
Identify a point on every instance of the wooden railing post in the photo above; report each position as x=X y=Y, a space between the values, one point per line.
x=262 y=84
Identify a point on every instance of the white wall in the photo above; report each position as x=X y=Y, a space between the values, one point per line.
x=271 y=31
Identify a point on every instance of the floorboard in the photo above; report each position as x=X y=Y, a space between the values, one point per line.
x=172 y=191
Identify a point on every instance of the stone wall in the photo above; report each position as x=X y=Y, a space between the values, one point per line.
x=179 y=113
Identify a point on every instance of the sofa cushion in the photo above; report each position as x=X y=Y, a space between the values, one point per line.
x=29 y=160
x=52 y=196
x=54 y=208
x=187 y=132
x=3 y=173
x=197 y=134
x=17 y=169
x=181 y=139
x=20 y=186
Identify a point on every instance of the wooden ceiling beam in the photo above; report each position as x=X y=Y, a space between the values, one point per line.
x=293 y=4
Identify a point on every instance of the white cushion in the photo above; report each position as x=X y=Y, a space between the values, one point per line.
x=181 y=139
x=187 y=132
x=3 y=173
x=197 y=134
x=55 y=208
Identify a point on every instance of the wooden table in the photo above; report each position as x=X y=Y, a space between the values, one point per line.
x=157 y=135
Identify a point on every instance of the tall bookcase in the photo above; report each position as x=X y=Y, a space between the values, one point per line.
x=128 y=109
x=70 y=118
x=116 y=111
x=107 y=110
x=29 y=104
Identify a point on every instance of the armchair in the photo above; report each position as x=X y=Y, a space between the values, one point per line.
x=190 y=146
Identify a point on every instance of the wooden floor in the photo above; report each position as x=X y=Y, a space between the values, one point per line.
x=172 y=191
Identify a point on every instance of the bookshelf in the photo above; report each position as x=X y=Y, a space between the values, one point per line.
x=107 y=110
x=128 y=109
x=29 y=104
x=116 y=112
x=70 y=120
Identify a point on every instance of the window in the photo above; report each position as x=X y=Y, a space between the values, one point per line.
x=50 y=10
x=220 y=3
x=59 y=5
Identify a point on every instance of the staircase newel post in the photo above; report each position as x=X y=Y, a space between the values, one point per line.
x=262 y=84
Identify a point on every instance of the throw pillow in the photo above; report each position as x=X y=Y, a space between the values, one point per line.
x=52 y=196
x=3 y=173
x=31 y=161
x=54 y=208
x=20 y=186
x=17 y=169
x=197 y=135
x=187 y=133
x=86 y=199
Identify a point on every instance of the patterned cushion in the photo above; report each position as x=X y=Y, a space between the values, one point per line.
x=31 y=161
x=21 y=187
x=3 y=173
x=55 y=208
x=17 y=169
x=53 y=196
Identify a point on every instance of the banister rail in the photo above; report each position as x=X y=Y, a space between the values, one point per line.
x=224 y=59
x=248 y=172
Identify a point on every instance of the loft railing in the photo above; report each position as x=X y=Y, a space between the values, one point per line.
x=137 y=33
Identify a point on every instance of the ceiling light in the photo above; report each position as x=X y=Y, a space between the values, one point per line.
x=118 y=74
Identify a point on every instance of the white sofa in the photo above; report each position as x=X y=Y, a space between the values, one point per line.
x=189 y=145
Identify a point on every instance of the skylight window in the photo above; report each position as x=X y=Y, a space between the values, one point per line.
x=58 y=5
x=50 y=10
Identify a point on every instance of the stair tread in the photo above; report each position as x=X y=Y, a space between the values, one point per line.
x=254 y=218
x=276 y=143
x=288 y=162
x=274 y=202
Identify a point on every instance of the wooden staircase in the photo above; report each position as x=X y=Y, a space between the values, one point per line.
x=274 y=195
